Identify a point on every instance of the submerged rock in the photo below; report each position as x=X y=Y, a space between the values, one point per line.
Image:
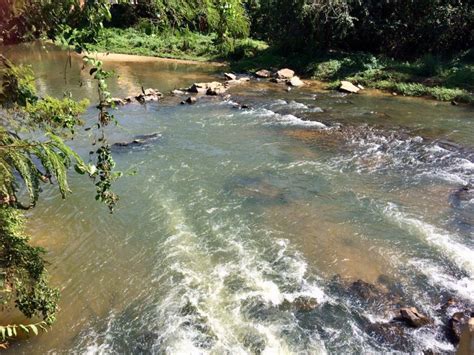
x=254 y=342
x=412 y=317
x=139 y=140
x=463 y=194
x=364 y=290
x=305 y=303
x=389 y=334
x=300 y=304
x=263 y=73
x=285 y=73
x=347 y=86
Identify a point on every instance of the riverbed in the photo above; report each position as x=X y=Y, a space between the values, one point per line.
x=233 y=214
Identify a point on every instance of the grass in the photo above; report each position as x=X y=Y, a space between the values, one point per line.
x=174 y=44
x=444 y=80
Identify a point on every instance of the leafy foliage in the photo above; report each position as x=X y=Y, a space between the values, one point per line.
x=400 y=28
x=33 y=152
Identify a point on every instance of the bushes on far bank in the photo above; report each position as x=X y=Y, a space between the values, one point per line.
x=399 y=28
x=149 y=40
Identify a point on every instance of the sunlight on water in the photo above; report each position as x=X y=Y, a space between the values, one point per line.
x=239 y=219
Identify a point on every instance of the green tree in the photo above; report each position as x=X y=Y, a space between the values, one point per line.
x=33 y=152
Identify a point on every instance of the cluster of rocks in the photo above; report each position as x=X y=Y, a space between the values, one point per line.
x=213 y=88
x=147 y=95
x=456 y=318
x=218 y=88
x=284 y=75
x=288 y=77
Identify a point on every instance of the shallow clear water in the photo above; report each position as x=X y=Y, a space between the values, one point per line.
x=233 y=213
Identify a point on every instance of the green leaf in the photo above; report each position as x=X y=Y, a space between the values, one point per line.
x=79 y=169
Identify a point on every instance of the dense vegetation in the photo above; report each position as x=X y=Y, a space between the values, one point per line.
x=400 y=28
x=34 y=152
x=418 y=48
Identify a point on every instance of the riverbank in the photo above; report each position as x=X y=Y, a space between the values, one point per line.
x=442 y=80
x=431 y=77
x=186 y=45
x=120 y=58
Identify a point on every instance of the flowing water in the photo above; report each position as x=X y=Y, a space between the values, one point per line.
x=234 y=214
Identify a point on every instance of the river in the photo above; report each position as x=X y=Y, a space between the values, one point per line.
x=233 y=214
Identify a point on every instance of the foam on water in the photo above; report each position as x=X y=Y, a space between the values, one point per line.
x=203 y=286
x=410 y=155
x=463 y=287
x=447 y=244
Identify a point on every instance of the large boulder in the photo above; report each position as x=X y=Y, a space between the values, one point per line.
x=263 y=73
x=347 y=86
x=285 y=73
x=295 y=81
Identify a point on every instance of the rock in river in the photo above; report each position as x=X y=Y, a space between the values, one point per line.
x=412 y=317
x=347 y=86
x=263 y=74
x=285 y=73
x=230 y=76
x=137 y=141
x=149 y=95
x=295 y=81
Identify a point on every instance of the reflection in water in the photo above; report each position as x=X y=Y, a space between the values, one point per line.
x=236 y=216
